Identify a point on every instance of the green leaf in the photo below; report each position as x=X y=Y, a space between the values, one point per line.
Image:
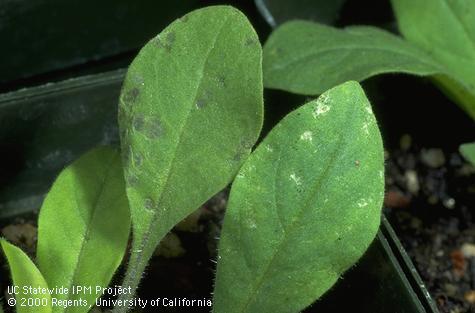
x=458 y=92
x=446 y=30
x=84 y=225
x=309 y=58
x=190 y=110
x=444 y=27
x=26 y=274
x=304 y=207
x=467 y=150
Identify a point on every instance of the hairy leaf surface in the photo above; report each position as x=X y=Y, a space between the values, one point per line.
x=309 y=58
x=190 y=110
x=84 y=225
x=304 y=207
x=25 y=273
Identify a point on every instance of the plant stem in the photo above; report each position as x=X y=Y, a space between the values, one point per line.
x=137 y=263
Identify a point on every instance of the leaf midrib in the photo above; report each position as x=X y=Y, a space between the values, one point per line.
x=304 y=208
x=314 y=54
x=155 y=216
x=462 y=25
x=187 y=117
x=88 y=226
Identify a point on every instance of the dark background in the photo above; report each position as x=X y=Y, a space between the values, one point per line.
x=43 y=129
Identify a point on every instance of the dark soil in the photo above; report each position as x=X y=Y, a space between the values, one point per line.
x=430 y=201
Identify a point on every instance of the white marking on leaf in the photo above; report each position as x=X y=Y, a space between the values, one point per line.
x=307 y=136
x=297 y=180
x=269 y=148
x=322 y=106
x=321 y=109
x=362 y=203
x=366 y=128
x=251 y=224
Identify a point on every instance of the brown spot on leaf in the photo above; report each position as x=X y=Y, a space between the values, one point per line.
x=160 y=44
x=222 y=81
x=171 y=37
x=238 y=156
x=250 y=41
x=154 y=129
x=149 y=204
x=184 y=18
x=123 y=134
x=131 y=95
x=137 y=159
x=138 y=79
x=138 y=123
x=201 y=103
x=126 y=153
x=132 y=180
x=247 y=144
x=158 y=41
x=244 y=148
x=204 y=99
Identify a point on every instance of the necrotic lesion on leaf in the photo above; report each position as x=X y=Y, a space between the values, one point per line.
x=199 y=94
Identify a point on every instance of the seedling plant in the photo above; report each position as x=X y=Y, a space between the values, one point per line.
x=304 y=205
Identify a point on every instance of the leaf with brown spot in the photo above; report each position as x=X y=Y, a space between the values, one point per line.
x=192 y=125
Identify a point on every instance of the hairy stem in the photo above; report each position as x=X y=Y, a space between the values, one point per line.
x=137 y=263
